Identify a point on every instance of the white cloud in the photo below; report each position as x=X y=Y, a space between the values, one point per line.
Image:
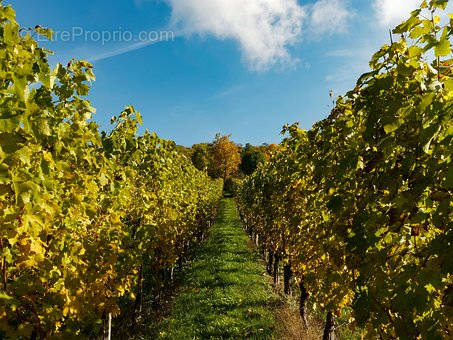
x=264 y=29
x=392 y=12
x=330 y=16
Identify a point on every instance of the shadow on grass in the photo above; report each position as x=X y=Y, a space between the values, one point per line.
x=225 y=294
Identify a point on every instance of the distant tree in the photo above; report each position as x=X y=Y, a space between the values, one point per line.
x=251 y=156
x=183 y=150
x=200 y=156
x=269 y=149
x=225 y=157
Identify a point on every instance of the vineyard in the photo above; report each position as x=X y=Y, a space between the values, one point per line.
x=84 y=216
x=358 y=209
x=355 y=212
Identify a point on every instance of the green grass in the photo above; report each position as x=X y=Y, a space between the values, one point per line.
x=225 y=294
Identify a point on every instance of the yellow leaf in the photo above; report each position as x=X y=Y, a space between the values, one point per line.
x=66 y=311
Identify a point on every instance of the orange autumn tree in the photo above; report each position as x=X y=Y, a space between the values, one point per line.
x=225 y=157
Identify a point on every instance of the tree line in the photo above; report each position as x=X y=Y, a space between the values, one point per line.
x=223 y=158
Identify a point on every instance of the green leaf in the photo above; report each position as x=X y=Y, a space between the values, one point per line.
x=442 y=48
x=442 y=4
x=427 y=99
x=418 y=31
x=139 y=118
x=44 y=128
x=11 y=34
x=408 y=24
x=24 y=155
x=9 y=123
x=20 y=84
x=448 y=84
x=45 y=32
x=8 y=13
x=25 y=191
x=4 y=296
x=4 y=174
x=389 y=128
x=10 y=142
x=427 y=136
x=364 y=77
x=388 y=238
x=83 y=89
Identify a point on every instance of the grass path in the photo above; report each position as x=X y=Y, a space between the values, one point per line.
x=225 y=294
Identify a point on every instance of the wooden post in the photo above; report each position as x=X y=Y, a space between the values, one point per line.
x=287 y=274
x=276 y=263
x=329 y=329
x=110 y=327
x=303 y=303
x=270 y=261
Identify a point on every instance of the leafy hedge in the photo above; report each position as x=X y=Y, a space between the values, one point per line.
x=81 y=212
x=360 y=206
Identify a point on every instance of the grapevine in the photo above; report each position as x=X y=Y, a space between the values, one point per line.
x=82 y=212
x=360 y=206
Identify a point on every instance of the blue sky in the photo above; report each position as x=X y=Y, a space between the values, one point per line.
x=231 y=68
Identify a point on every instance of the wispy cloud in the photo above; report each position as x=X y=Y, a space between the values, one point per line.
x=228 y=91
x=120 y=51
x=123 y=50
x=330 y=16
